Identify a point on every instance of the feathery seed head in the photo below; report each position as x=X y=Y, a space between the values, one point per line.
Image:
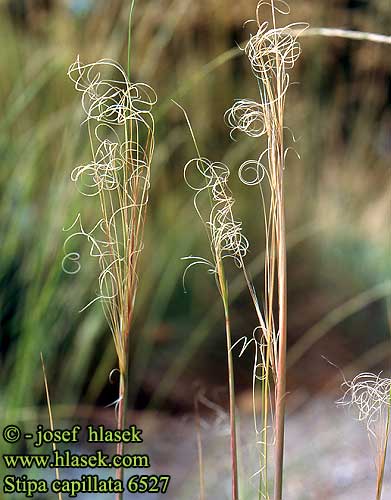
x=225 y=233
x=370 y=395
x=112 y=100
x=246 y=116
x=121 y=130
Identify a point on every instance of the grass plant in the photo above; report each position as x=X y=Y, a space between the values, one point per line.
x=272 y=53
x=369 y=395
x=226 y=241
x=39 y=138
x=121 y=133
x=51 y=420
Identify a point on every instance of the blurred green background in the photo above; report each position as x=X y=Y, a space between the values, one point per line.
x=338 y=202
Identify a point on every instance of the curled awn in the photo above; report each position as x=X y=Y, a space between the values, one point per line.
x=118 y=115
x=272 y=52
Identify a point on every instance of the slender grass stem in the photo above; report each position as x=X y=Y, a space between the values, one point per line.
x=382 y=465
x=120 y=174
x=282 y=348
x=383 y=456
x=130 y=34
x=232 y=410
x=121 y=422
x=51 y=420
x=219 y=231
x=336 y=316
x=199 y=449
x=231 y=383
x=350 y=34
x=124 y=372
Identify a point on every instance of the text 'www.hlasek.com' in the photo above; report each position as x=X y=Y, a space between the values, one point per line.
x=93 y=479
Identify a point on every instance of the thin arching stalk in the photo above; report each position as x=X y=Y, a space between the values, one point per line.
x=349 y=34
x=201 y=474
x=369 y=395
x=383 y=456
x=272 y=52
x=51 y=420
x=282 y=348
x=121 y=133
x=121 y=421
x=231 y=384
x=226 y=240
x=383 y=451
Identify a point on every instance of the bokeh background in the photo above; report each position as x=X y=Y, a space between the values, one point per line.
x=338 y=205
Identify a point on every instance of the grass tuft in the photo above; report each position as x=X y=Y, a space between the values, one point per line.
x=121 y=133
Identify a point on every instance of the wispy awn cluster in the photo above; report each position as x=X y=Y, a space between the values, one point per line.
x=121 y=132
x=370 y=395
x=224 y=231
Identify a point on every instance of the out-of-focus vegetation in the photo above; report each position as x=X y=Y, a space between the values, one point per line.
x=337 y=198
